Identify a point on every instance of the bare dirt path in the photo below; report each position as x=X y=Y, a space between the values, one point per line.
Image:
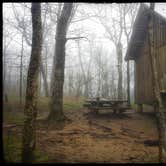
x=108 y=138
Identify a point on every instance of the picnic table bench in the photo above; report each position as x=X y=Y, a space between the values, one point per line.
x=96 y=104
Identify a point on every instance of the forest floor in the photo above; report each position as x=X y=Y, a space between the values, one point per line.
x=87 y=138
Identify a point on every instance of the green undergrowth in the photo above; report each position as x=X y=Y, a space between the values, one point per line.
x=12 y=150
x=133 y=106
x=13 y=117
x=13 y=113
x=71 y=103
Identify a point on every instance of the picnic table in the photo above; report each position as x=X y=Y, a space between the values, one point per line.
x=96 y=104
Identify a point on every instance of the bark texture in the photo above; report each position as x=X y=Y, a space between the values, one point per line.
x=161 y=125
x=30 y=111
x=128 y=83
x=21 y=68
x=4 y=73
x=161 y=106
x=119 y=54
x=44 y=80
x=56 y=100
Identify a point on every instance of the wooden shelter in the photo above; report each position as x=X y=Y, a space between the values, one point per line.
x=138 y=50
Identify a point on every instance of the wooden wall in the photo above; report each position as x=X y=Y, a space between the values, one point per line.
x=144 y=93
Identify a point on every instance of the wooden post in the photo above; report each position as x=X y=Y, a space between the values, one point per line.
x=114 y=111
x=140 y=108
x=98 y=99
x=155 y=107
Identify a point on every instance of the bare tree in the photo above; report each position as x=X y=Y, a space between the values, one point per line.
x=70 y=83
x=21 y=67
x=30 y=111
x=78 y=85
x=56 y=103
x=86 y=74
x=6 y=45
x=114 y=33
x=113 y=88
x=23 y=27
x=129 y=11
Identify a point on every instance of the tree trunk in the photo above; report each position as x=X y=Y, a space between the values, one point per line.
x=21 y=66
x=85 y=77
x=119 y=54
x=161 y=112
x=30 y=111
x=99 y=84
x=86 y=90
x=128 y=76
x=70 y=84
x=78 y=90
x=39 y=83
x=44 y=80
x=56 y=101
x=128 y=83
x=139 y=108
x=161 y=125
x=4 y=73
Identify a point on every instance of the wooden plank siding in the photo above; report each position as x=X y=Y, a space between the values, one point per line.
x=162 y=67
x=143 y=78
x=144 y=93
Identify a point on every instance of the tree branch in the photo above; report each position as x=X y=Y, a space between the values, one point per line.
x=75 y=38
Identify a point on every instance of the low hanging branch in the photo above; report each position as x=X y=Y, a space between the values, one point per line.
x=72 y=38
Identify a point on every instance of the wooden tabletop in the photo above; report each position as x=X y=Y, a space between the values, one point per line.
x=104 y=101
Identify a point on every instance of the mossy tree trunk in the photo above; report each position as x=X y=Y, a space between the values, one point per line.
x=161 y=105
x=30 y=111
x=56 y=100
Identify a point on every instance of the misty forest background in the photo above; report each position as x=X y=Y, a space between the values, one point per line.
x=91 y=65
x=96 y=44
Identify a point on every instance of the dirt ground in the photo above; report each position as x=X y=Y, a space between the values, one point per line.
x=102 y=138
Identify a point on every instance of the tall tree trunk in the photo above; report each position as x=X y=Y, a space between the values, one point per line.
x=119 y=54
x=44 y=80
x=30 y=111
x=79 y=85
x=21 y=67
x=56 y=101
x=128 y=83
x=113 y=87
x=70 y=84
x=4 y=73
x=128 y=75
x=161 y=110
x=86 y=90
x=82 y=68
x=99 y=84
x=40 y=83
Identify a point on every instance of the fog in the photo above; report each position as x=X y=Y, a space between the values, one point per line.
x=82 y=55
